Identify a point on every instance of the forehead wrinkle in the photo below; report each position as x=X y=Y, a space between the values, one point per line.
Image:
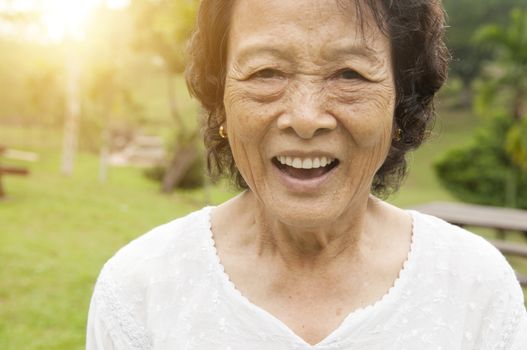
x=320 y=48
x=329 y=52
x=346 y=49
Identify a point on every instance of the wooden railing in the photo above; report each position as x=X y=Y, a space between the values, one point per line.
x=11 y=170
x=502 y=220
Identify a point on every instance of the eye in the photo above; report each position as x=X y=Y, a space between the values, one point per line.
x=348 y=74
x=267 y=73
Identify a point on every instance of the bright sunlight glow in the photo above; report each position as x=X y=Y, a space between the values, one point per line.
x=68 y=18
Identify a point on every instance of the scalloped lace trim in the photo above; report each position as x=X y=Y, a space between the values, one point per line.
x=398 y=283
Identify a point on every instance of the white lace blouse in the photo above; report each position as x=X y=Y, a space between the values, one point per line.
x=168 y=290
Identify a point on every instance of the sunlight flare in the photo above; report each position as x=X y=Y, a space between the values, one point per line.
x=68 y=19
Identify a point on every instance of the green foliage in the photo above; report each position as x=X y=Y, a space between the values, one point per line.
x=465 y=17
x=516 y=144
x=506 y=76
x=163 y=28
x=31 y=83
x=511 y=41
x=483 y=171
x=107 y=96
x=45 y=93
x=109 y=105
x=493 y=169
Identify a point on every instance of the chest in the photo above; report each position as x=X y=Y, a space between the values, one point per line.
x=312 y=305
x=215 y=316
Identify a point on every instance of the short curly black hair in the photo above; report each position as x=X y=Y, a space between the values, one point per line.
x=416 y=30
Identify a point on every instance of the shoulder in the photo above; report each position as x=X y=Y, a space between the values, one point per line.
x=476 y=277
x=163 y=239
x=145 y=256
x=467 y=252
x=166 y=255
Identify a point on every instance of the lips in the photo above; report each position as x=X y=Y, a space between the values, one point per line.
x=305 y=168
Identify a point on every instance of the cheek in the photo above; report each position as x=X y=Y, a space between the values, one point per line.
x=247 y=158
x=247 y=119
x=247 y=124
x=369 y=118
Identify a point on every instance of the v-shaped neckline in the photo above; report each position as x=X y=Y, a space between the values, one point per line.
x=360 y=313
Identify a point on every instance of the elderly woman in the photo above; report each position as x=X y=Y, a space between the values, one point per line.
x=312 y=106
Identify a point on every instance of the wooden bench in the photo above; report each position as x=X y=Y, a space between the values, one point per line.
x=9 y=170
x=499 y=219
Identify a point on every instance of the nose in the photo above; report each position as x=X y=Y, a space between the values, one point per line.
x=306 y=113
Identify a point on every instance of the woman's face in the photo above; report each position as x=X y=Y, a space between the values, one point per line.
x=304 y=88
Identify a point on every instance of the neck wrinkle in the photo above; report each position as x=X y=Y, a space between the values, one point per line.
x=301 y=248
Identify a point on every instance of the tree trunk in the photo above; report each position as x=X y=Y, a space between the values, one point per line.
x=519 y=111
x=2 y=192
x=71 y=124
x=104 y=155
x=184 y=153
x=511 y=189
x=465 y=96
x=184 y=157
x=173 y=105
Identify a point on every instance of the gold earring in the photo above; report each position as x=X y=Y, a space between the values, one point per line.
x=398 y=135
x=223 y=134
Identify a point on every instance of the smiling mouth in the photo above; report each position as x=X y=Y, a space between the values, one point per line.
x=305 y=168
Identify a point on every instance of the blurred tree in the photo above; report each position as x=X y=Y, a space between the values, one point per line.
x=45 y=90
x=508 y=74
x=73 y=108
x=110 y=106
x=23 y=81
x=163 y=28
x=506 y=82
x=482 y=172
x=516 y=144
x=114 y=106
x=494 y=168
x=465 y=17
x=11 y=14
x=105 y=96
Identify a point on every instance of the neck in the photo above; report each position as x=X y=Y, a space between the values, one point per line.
x=305 y=247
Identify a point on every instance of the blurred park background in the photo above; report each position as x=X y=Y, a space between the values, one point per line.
x=94 y=106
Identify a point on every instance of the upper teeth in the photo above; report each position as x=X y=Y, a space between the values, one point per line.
x=305 y=163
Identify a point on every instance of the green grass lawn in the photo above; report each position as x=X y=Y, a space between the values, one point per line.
x=56 y=232
x=55 y=235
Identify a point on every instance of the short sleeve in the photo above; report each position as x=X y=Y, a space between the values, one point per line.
x=519 y=341
x=138 y=291
x=97 y=335
x=112 y=322
x=506 y=319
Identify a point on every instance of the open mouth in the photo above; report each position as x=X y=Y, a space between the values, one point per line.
x=305 y=168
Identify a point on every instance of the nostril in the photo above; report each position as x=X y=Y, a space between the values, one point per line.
x=306 y=125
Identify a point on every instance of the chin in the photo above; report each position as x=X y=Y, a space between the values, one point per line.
x=309 y=202
x=306 y=212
